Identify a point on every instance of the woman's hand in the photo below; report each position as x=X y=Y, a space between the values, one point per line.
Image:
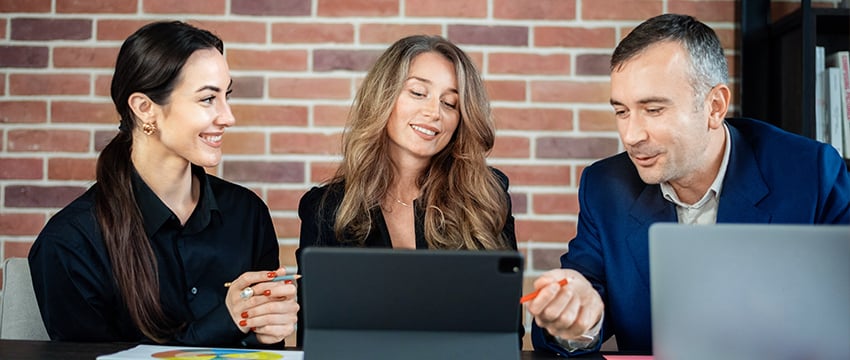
x=268 y=308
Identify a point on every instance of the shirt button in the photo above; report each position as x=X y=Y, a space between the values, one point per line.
x=194 y=290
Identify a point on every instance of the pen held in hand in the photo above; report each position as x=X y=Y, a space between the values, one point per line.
x=278 y=278
x=532 y=295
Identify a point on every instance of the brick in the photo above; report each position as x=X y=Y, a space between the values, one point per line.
x=23 y=112
x=289 y=142
x=24 y=56
x=330 y=115
x=555 y=204
x=244 y=143
x=705 y=11
x=287 y=257
x=84 y=57
x=271 y=7
x=284 y=199
x=637 y=10
x=71 y=169
x=264 y=171
x=548 y=259
x=489 y=35
x=310 y=88
x=593 y=64
x=534 y=9
x=96 y=6
x=446 y=8
x=248 y=87
x=27 y=196
x=519 y=202
x=83 y=112
x=570 y=36
x=289 y=33
x=278 y=60
x=533 y=119
x=506 y=90
x=352 y=60
x=728 y=38
x=545 y=230
x=344 y=8
x=536 y=64
x=102 y=84
x=286 y=227
x=118 y=29
x=209 y=7
x=48 y=140
x=552 y=147
x=51 y=29
x=596 y=120
x=511 y=147
x=29 y=6
x=101 y=138
x=2 y=28
x=21 y=168
x=18 y=249
x=17 y=224
x=49 y=84
x=570 y=91
x=321 y=172
x=269 y=115
x=248 y=32
x=522 y=175
x=389 y=33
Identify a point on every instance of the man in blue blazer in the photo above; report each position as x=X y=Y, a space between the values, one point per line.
x=684 y=162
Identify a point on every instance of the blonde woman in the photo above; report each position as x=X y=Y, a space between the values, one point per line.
x=414 y=172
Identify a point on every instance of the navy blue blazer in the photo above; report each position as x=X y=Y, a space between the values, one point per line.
x=772 y=177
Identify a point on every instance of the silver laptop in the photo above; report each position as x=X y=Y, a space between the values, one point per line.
x=410 y=304
x=750 y=291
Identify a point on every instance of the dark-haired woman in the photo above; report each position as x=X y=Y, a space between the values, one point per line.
x=144 y=254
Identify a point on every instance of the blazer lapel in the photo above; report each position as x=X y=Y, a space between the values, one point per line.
x=743 y=187
x=649 y=208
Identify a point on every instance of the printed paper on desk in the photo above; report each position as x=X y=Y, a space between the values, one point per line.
x=192 y=353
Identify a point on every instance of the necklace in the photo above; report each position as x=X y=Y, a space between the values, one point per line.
x=399 y=201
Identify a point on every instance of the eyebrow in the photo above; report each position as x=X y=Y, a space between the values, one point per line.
x=428 y=82
x=215 y=88
x=645 y=101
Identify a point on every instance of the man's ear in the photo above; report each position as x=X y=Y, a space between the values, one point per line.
x=718 y=104
x=143 y=107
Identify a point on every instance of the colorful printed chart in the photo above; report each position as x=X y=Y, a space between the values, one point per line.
x=199 y=353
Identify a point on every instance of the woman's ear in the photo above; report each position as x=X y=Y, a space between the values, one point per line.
x=718 y=98
x=142 y=107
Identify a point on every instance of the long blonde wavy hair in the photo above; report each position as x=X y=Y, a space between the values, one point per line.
x=465 y=205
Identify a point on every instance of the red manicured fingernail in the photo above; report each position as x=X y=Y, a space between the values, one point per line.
x=253 y=329
x=243 y=322
x=244 y=314
x=271 y=275
x=267 y=292
x=288 y=282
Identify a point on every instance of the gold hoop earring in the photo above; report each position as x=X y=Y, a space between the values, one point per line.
x=149 y=128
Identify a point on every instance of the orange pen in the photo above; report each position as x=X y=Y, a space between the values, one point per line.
x=532 y=295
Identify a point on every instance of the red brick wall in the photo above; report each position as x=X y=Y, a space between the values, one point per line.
x=296 y=65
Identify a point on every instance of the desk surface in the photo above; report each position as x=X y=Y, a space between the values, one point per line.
x=26 y=350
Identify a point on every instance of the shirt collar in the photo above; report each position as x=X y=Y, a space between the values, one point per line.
x=716 y=186
x=155 y=213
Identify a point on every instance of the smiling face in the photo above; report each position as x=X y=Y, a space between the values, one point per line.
x=664 y=131
x=192 y=124
x=426 y=113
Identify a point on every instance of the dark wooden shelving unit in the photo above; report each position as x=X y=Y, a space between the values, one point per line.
x=778 y=61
